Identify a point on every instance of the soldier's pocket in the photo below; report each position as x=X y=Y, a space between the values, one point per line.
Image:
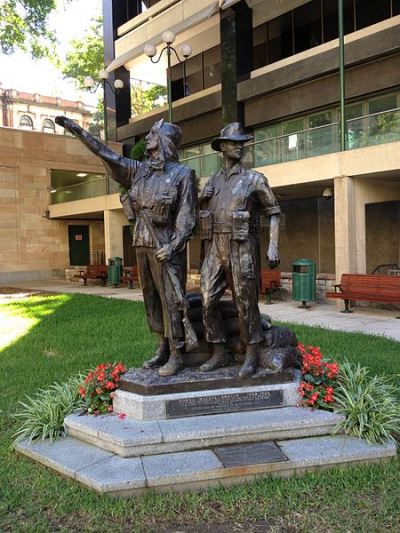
x=240 y=225
x=161 y=210
x=205 y=222
x=246 y=264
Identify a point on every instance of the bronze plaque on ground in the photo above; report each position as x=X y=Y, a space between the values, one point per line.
x=250 y=454
x=143 y=381
x=224 y=403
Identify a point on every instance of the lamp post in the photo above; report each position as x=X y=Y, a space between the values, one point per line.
x=150 y=50
x=92 y=86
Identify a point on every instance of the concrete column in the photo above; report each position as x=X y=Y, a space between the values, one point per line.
x=345 y=226
x=114 y=220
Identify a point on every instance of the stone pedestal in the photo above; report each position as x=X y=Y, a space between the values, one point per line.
x=175 y=434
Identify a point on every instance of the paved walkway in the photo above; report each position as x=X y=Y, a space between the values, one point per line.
x=366 y=320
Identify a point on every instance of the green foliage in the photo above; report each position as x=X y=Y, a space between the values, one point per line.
x=86 y=55
x=24 y=26
x=42 y=415
x=77 y=332
x=138 y=150
x=370 y=404
x=96 y=126
x=144 y=100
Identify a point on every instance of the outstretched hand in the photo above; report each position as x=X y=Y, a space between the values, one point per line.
x=68 y=124
x=60 y=120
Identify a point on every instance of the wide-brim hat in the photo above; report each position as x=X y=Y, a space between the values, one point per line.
x=231 y=132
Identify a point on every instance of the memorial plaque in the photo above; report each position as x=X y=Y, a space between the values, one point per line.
x=250 y=454
x=224 y=403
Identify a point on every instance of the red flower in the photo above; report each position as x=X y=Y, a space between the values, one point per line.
x=122 y=416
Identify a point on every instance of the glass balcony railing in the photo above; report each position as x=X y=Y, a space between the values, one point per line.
x=362 y=131
x=85 y=189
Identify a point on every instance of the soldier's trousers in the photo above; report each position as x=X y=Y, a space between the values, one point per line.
x=233 y=264
x=158 y=293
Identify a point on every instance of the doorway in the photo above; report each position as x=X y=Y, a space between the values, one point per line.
x=79 y=246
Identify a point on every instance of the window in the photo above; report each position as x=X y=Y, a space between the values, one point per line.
x=307 y=26
x=25 y=122
x=48 y=126
x=196 y=73
x=370 y=12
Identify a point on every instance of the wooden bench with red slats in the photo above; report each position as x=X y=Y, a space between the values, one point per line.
x=130 y=276
x=93 y=272
x=368 y=287
x=270 y=282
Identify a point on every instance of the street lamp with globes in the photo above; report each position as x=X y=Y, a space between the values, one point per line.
x=92 y=86
x=150 y=50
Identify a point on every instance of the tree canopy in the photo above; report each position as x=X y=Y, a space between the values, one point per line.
x=24 y=26
x=85 y=57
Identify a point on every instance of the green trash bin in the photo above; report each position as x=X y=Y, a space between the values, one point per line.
x=304 y=281
x=114 y=271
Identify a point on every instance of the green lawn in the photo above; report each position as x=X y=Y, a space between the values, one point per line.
x=57 y=336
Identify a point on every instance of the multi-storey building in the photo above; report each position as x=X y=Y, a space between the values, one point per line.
x=275 y=66
x=35 y=112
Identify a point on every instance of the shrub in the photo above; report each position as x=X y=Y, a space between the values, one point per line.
x=369 y=404
x=97 y=389
x=42 y=415
x=319 y=378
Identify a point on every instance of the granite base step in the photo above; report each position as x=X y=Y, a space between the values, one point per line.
x=108 y=473
x=129 y=437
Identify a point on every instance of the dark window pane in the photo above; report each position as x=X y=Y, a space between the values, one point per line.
x=177 y=90
x=331 y=22
x=260 y=41
x=212 y=66
x=280 y=43
x=307 y=26
x=370 y=12
x=395 y=7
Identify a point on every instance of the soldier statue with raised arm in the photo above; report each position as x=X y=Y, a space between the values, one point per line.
x=162 y=198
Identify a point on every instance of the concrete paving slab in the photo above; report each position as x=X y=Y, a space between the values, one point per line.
x=196 y=469
x=114 y=474
x=317 y=451
x=371 y=321
x=123 y=432
x=183 y=467
x=66 y=455
x=131 y=438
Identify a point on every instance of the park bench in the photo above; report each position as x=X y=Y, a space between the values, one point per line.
x=270 y=282
x=93 y=272
x=130 y=276
x=359 y=287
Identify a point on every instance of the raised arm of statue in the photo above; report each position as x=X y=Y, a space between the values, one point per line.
x=121 y=168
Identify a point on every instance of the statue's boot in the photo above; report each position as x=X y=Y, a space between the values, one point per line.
x=173 y=365
x=250 y=364
x=219 y=358
x=161 y=355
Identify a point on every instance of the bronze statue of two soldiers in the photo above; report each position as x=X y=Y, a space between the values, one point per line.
x=162 y=198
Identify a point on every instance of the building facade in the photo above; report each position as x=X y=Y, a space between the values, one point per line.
x=35 y=112
x=275 y=67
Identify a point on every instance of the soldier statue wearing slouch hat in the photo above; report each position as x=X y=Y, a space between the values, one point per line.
x=231 y=203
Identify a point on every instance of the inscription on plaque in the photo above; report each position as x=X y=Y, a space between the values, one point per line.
x=224 y=403
x=250 y=454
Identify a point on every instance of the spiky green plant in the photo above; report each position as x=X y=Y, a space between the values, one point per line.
x=42 y=415
x=370 y=404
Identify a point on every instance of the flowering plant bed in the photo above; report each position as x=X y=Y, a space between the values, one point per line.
x=319 y=378
x=97 y=389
